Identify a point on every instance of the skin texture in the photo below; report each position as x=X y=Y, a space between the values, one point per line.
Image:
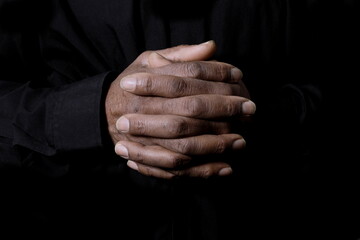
x=171 y=105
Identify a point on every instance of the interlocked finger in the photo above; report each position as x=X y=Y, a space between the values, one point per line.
x=168 y=126
x=155 y=156
x=201 y=171
x=201 y=106
x=147 y=84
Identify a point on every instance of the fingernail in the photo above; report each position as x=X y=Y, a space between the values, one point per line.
x=128 y=83
x=248 y=107
x=132 y=165
x=239 y=144
x=123 y=124
x=236 y=74
x=225 y=172
x=122 y=151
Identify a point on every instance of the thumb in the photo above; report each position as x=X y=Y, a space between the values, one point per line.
x=182 y=53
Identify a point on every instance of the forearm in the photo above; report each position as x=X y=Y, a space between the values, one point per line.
x=49 y=121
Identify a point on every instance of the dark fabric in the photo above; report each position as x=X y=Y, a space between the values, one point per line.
x=297 y=179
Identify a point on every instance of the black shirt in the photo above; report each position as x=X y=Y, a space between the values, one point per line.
x=58 y=169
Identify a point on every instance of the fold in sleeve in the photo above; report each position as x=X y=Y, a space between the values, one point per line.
x=53 y=120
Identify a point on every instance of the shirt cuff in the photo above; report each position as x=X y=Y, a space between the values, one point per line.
x=79 y=113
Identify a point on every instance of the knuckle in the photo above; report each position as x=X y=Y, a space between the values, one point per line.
x=147 y=84
x=178 y=86
x=183 y=146
x=145 y=54
x=139 y=157
x=220 y=145
x=224 y=73
x=143 y=57
x=206 y=172
x=195 y=106
x=176 y=161
x=193 y=69
x=144 y=81
x=179 y=173
x=139 y=127
x=230 y=109
x=178 y=127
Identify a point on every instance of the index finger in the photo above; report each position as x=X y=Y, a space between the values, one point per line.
x=204 y=70
x=210 y=106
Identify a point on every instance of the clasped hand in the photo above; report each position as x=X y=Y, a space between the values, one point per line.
x=170 y=106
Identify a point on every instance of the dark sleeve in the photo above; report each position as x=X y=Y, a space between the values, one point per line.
x=49 y=108
x=41 y=113
x=51 y=120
